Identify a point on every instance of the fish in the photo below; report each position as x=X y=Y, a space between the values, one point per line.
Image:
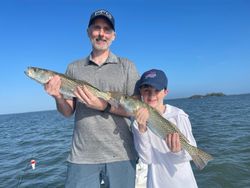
x=68 y=84
x=161 y=127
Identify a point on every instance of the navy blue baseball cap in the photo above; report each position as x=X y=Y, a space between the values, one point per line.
x=155 y=78
x=103 y=14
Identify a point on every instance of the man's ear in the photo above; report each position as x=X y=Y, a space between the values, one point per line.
x=88 y=32
x=114 y=36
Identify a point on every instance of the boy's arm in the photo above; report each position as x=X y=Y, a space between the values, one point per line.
x=142 y=143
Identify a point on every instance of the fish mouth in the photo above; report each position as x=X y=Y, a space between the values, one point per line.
x=27 y=71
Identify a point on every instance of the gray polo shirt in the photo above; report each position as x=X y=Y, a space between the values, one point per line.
x=102 y=137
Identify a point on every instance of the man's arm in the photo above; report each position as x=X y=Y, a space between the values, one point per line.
x=91 y=101
x=65 y=106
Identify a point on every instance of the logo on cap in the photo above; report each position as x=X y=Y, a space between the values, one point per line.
x=151 y=75
x=103 y=12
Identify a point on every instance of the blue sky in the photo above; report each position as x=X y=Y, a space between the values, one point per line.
x=203 y=46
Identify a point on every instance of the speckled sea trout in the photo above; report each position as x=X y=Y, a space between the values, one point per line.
x=68 y=84
x=161 y=127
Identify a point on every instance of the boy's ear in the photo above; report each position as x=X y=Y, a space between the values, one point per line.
x=166 y=91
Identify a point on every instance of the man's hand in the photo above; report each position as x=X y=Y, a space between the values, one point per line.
x=173 y=142
x=52 y=87
x=89 y=99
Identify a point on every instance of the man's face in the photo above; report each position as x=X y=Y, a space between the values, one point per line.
x=101 y=34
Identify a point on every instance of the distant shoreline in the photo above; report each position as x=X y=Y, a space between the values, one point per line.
x=219 y=94
x=203 y=96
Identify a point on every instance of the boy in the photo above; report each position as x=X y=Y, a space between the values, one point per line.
x=168 y=164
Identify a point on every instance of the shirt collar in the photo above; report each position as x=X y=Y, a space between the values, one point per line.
x=112 y=59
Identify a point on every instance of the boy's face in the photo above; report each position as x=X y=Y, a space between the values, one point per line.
x=152 y=96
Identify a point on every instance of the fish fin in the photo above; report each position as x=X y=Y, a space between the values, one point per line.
x=200 y=158
x=113 y=102
x=115 y=94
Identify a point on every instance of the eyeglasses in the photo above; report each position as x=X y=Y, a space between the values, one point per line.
x=98 y=28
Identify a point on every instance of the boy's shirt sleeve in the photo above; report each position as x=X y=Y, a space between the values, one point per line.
x=142 y=143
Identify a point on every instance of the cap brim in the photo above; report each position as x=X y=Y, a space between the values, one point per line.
x=154 y=85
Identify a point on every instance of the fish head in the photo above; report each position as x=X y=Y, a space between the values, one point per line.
x=40 y=75
x=130 y=103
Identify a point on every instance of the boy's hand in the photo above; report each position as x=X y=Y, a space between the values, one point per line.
x=141 y=117
x=173 y=142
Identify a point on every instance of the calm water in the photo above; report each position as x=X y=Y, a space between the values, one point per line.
x=221 y=126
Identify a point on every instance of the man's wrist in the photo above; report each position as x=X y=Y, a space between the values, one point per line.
x=59 y=100
x=107 y=108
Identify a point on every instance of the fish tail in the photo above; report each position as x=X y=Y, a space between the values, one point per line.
x=200 y=158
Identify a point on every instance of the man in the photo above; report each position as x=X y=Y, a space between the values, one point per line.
x=102 y=145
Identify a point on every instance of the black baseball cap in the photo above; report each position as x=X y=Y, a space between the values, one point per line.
x=104 y=14
x=155 y=78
